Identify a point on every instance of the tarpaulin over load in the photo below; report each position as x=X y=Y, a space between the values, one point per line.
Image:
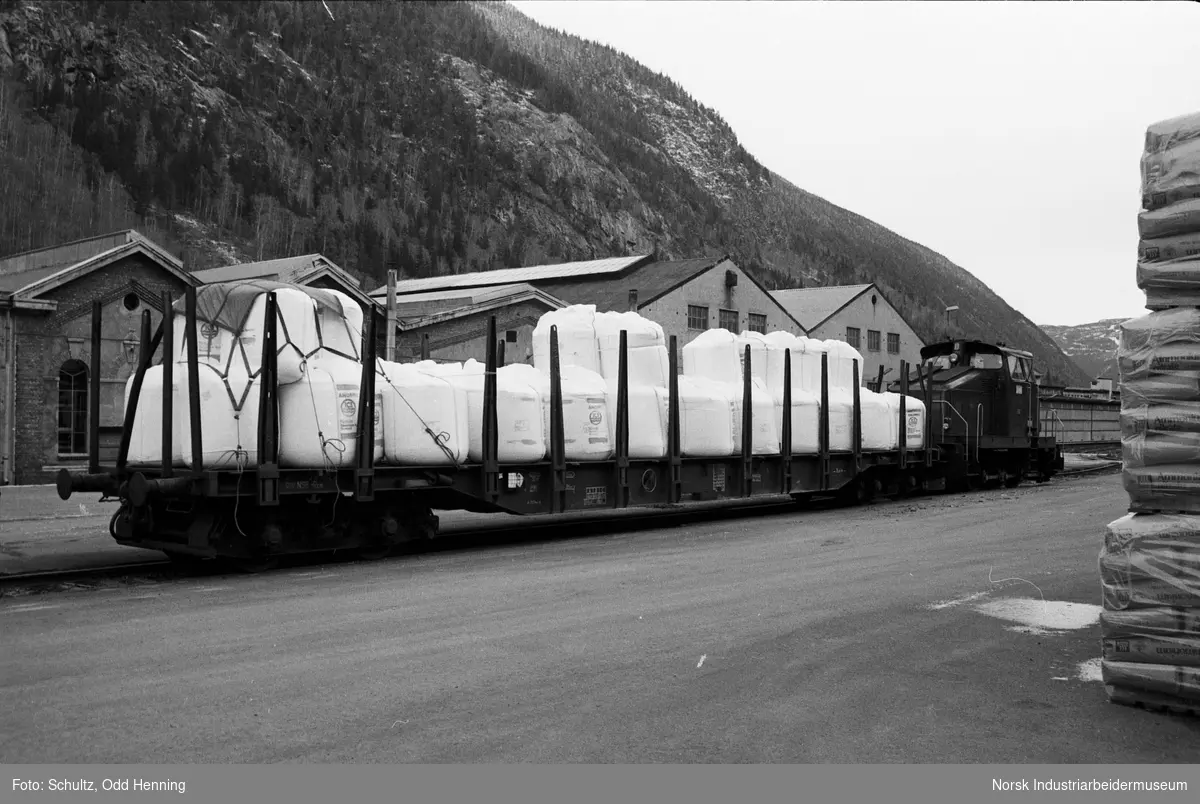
x=228 y=304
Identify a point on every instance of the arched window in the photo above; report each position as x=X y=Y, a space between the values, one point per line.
x=72 y=408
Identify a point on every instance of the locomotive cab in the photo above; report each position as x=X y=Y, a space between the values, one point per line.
x=985 y=400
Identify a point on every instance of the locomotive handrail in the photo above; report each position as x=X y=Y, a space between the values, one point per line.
x=966 y=424
x=978 y=428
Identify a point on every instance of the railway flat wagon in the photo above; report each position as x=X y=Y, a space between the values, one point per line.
x=251 y=503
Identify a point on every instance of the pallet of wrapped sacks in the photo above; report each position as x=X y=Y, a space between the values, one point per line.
x=1150 y=618
x=1159 y=361
x=1168 y=268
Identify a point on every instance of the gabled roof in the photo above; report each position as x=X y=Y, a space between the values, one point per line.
x=652 y=280
x=302 y=270
x=33 y=273
x=417 y=310
x=507 y=276
x=813 y=306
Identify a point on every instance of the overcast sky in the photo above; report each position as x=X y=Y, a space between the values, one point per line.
x=1006 y=136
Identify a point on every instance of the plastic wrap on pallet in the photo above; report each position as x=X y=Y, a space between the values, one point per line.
x=1168 y=487
x=1160 y=635
x=759 y=347
x=841 y=400
x=1151 y=560
x=1159 y=357
x=1166 y=134
x=1162 y=388
x=1169 y=249
x=425 y=417
x=1150 y=450
x=588 y=409
x=1171 y=175
x=1182 y=218
x=577 y=344
x=1164 y=679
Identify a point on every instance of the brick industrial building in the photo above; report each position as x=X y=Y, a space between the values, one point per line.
x=685 y=297
x=46 y=298
x=45 y=321
x=863 y=318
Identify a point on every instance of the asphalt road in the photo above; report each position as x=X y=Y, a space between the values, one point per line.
x=811 y=637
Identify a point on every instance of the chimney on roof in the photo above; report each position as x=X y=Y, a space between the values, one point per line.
x=633 y=301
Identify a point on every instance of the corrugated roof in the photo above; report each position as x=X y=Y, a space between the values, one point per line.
x=811 y=306
x=509 y=276
x=286 y=266
x=421 y=309
x=440 y=301
x=651 y=281
x=65 y=254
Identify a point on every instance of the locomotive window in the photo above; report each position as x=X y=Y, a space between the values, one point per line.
x=987 y=361
x=1017 y=368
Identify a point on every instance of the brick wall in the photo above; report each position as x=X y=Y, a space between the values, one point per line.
x=47 y=340
x=709 y=290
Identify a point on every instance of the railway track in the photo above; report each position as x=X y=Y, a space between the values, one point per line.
x=506 y=531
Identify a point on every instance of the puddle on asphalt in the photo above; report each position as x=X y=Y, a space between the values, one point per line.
x=1089 y=671
x=1042 y=617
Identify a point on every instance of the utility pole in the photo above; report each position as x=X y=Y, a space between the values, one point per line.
x=390 y=349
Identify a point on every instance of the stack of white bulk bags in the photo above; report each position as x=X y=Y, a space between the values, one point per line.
x=230 y=320
x=841 y=405
x=586 y=409
x=648 y=366
x=590 y=341
x=716 y=355
x=806 y=407
x=1150 y=562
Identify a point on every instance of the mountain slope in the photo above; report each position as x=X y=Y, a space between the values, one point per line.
x=1093 y=346
x=433 y=138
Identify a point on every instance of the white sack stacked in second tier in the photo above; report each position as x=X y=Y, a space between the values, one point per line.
x=1159 y=361
x=1169 y=226
x=589 y=345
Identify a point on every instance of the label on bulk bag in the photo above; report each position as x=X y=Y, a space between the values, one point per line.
x=597 y=429
x=379 y=420
x=914 y=424
x=347 y=403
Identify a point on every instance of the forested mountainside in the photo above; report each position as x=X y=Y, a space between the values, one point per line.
x=1093 y=347
x=428 y=137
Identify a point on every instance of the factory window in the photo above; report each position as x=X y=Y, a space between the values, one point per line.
x=758 y=323
x=729 y=320
x=697 y=317
x=873 y=340
x=894 y=343
x=72 y=408
x=852 y=335
x=511 y=336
